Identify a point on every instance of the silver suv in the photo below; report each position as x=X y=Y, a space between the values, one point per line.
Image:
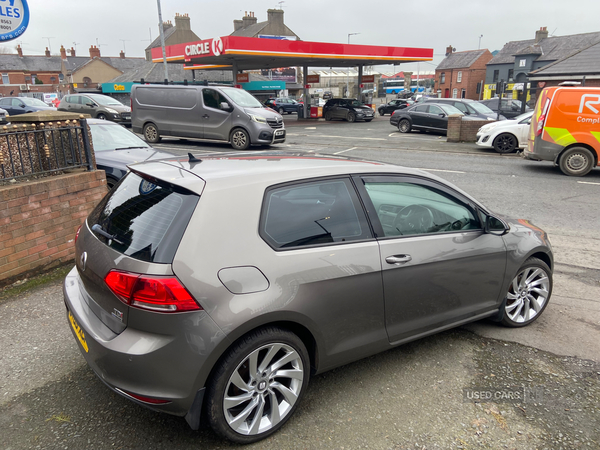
x=220 y=285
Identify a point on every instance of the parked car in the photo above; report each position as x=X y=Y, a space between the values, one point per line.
x=213 y=112
x=424 y=117
x=469 y=108
x=509 y=107
x=505 y=136
x=22 y=105
x=392 y=106
x=3 y=116
x=220 y=284
x=116 y=147
x=98 y=106
x=327 y=95
x=349 y=109
x=283 y=105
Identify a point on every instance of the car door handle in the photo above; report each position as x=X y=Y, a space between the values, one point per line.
x=398 y=259
x=205 y=116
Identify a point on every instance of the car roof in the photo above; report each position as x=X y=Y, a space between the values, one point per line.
x=448 y=100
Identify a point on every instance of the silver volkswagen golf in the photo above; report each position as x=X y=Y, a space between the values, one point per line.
x=214 y=288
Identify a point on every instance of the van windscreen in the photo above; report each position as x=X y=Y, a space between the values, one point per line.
x=242 y=98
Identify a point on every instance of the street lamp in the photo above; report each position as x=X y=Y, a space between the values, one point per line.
x=348 y=74
x=479 y=46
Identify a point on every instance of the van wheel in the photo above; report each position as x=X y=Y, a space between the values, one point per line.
x=576 y=162
x=505 y=143
x=239 y=139
x=151 y=133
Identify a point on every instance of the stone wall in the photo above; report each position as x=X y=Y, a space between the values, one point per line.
x=38 y=221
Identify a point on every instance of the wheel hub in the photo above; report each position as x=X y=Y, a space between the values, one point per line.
x=576 y=162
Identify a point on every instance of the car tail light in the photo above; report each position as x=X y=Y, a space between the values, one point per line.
x=540 y=125
x=77 y=233
x=153 y=293
x=141 y=398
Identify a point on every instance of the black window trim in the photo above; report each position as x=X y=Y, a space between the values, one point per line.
x=356 y=201
x=473 y=207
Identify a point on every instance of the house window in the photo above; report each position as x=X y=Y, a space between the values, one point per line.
x=511 y=73
x=443 y=78
x=496 y=75
x=522 y=62
x=5 y=78
x=454 y=93
x=459 y=77
x=87 y=80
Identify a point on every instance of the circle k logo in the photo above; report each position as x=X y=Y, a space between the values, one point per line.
x=217 y=46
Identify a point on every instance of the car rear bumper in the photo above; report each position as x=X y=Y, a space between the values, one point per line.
x=164 y=366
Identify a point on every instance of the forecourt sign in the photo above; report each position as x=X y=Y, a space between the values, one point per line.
x=247 y=53
x=14 y=19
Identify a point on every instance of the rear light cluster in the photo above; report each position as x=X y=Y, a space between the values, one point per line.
x=153 y=293
x=541 y=121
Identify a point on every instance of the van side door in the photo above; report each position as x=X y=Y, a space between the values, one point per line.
x=216 y=121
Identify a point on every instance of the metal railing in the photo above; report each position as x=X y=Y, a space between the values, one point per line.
x=31 y=149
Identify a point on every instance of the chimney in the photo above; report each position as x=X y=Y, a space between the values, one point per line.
x=20 y=51
x=275 y=17
x=237 y=24
x=542 y=33
x=122 y=54
x=449 y=50
x=182 y=22
x=94 y=52
x=63 y=52
x=249 y=19
x=47 y=53
x=166 y=25
x=72 y=51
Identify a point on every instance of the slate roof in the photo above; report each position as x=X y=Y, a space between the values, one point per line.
x=530 y=50
x=154 y=72
x=552 y=48
x=586 y=61
x=156 y=42
x=31 y=63
x=460 y=60
x=250 y=31
x=73 y=63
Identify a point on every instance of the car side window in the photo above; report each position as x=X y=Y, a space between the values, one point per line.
x=16 y=102
x=312 y=213
x=461 y=107
x=433 y=109
x=410 y=208
x=421 y=108
x=5 y=102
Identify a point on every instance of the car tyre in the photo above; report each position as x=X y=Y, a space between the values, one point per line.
x=101 y=116
x=239 y=138
x=151 y=133
x=404 y=126
x=576 y=161
x=328 y=115
x=505 y=143
x=266 y=367
x=281 y=111
x=351 y=117
x=528 y=294
x=381 y=112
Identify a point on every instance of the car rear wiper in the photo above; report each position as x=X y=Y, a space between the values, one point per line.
x=98 y=229
x=127 y=148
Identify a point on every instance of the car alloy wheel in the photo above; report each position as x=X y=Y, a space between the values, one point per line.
x=328 y=115
x=351 y=117
x=258 y=385
x=240 y=139
x=280 y=111
x=576 y=161
x=404 y=126
x=528 y=294
x=505 y=143
x=381 y=112
x=101 y=117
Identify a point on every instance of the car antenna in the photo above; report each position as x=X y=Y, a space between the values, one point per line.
x=193 y=159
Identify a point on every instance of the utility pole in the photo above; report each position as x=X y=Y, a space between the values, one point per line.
x=479 y=46
x=162 y=41
x=348 y=73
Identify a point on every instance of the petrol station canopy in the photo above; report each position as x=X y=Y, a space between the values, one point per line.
x=248 y=53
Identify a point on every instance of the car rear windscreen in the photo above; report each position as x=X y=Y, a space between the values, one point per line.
x=143 y=218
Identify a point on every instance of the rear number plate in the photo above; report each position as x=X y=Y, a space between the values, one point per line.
x=78 y=332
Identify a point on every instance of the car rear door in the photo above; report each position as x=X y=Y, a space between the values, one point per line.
x=437 y=118
x=419 y=116
x=438 y=265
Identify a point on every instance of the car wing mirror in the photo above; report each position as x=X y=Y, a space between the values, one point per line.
x=442 y=115
x=226 y=107
x=495 y=226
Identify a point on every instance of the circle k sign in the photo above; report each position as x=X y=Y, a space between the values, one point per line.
x=217 y=46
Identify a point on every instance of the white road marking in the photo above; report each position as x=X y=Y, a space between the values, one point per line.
x=310 y=128
x=351 y=137
x=588 y=182
x=441 y=170
x=344 y=151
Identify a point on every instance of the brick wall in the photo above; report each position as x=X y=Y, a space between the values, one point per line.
x=38 y=221
x=463 y=130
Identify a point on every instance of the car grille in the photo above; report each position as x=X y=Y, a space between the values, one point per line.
x=275 y=123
